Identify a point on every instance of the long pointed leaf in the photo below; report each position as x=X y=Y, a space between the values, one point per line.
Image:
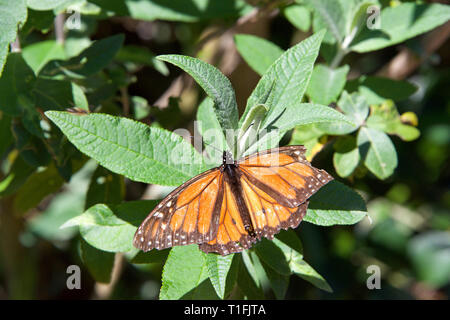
x=286 y=79
x=185 y=275
x=131 y=148
x=218 y=268
x=215 y=84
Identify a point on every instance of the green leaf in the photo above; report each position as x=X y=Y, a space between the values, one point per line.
x=12 y=14
x=209 y=128
x=111 y=228
x=89 y=61
x=298 y=15
x=16 y=177
x=429 y=253
x=326 y=83
x=218 y=272
x=250 y=127
x=79 y=98
x=291 y=246
x=400 y=23
x=286 y=80
x=74 y=45
x=377 y=152
x=295 y=115
x=355 y=109
x=141 y=55
x=38 y=20
x=31 y=119
x=141 y=108
x=105 y=187
x=153 y=256
x=247 y=284
x=378 y=89
x=346 y=156
x=215 y=84
x=355 y=24
x=99 y=263
x=273 y=256
x=335 y=203
x=255 y=267
x=48 y=4
x=354 y=106
x=259 y=53
x=175 y=10
x=37 y=55
x=329 y=14
x=5 y=132
x=308 y=113
x=336 y=128
x=130 y=148
x=254 y=117
x=185 y=275
x=47 y=224
x=282 y=257
x=30 y=145
x=278 y=282
x=303 y=270
x=247 y=257
x=288 y=241
x=304 y=133
x=39 y=185
x=16 y=84
x=58 y=94
x=385 y=117
x=406 y=132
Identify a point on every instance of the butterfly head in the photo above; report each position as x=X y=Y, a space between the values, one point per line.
x=227 y=158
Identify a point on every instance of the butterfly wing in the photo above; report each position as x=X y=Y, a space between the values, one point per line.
x=268 y=216
x=231 y=234
x=189 y=214
x=276 y=185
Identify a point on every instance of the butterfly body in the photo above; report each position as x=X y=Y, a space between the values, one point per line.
x=228 y=208
x=232 y=175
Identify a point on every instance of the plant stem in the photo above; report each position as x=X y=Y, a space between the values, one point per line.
x=19 y=267
x=59 y=28
x=125 y=101
x=15 y=46
x=338 y=58
x=103 y=291
x=343 y=48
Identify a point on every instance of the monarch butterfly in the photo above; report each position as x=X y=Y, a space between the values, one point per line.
x=228 y=208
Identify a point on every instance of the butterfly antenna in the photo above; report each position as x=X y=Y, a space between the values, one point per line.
x=208 y=144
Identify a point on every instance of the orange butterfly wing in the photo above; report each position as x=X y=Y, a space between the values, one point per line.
x=267 y=214
x=189 y=214
x=231 y=235
x=277 y=184
x=285 y=174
